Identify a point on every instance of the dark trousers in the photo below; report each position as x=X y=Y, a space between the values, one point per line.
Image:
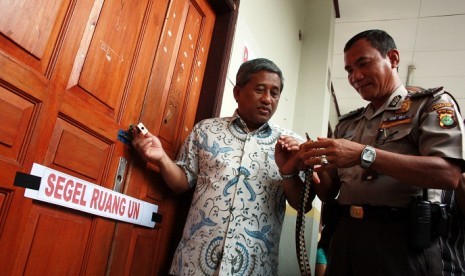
x=378 y=247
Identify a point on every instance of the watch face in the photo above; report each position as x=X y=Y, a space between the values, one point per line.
x=368 y=155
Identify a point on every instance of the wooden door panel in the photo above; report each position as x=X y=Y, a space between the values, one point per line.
x=72 y=74
x=87 y=151
x=124 y=250
x=204 y=23
x=96 y=105
x=76 y=151
x=179 y=115
x=17 y=114
x=181 y=79
x=111 y=53
x=35 y=26
x=58 y=247
x=28 y=49
x=169 y=111
x=163 y=66
x=183 y=92
x=143 y=258
x=66 y=132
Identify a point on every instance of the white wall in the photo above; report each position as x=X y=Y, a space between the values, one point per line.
x=270 y=29
x=428 y=33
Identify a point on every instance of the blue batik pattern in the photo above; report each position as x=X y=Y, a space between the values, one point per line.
x=238 y=205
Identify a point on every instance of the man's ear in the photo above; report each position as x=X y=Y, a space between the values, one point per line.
x=236 y=91
x=394 y=57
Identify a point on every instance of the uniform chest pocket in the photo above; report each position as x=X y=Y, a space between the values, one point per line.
x=349 y=135
x=394 y=133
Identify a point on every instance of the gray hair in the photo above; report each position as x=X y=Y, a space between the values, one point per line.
x=255 y=65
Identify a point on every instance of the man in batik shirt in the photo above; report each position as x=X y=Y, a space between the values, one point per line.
x=242 y=169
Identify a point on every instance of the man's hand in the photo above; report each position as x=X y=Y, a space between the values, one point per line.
x=148 y=146
x=340 y=153
x=286 y=150
x=151 y=150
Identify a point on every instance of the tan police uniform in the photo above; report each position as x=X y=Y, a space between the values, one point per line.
x=374 y=240
x=423 y=124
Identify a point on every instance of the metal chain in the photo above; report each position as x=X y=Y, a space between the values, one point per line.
x=302 y=256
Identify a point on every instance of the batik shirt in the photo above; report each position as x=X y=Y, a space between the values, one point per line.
x=238 y=205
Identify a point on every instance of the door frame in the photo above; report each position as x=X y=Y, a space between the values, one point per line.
x=211 y=95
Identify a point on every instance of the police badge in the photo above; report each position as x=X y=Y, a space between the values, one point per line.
x=446 y=118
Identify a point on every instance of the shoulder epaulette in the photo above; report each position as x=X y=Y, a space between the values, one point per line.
x=425 y=92
x=351 y=114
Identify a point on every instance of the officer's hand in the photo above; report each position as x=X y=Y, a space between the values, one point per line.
x=339 y=153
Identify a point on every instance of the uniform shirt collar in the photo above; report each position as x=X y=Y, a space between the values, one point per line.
x=394 y=102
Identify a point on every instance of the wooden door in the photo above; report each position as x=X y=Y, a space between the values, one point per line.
x=72 y=75
x=168 y=111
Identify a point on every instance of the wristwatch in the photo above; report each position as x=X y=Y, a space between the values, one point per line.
x=367 y=157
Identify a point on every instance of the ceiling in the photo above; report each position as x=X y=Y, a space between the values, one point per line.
x=429 y=35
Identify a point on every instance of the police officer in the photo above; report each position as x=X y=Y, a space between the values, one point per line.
x=383 y=157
